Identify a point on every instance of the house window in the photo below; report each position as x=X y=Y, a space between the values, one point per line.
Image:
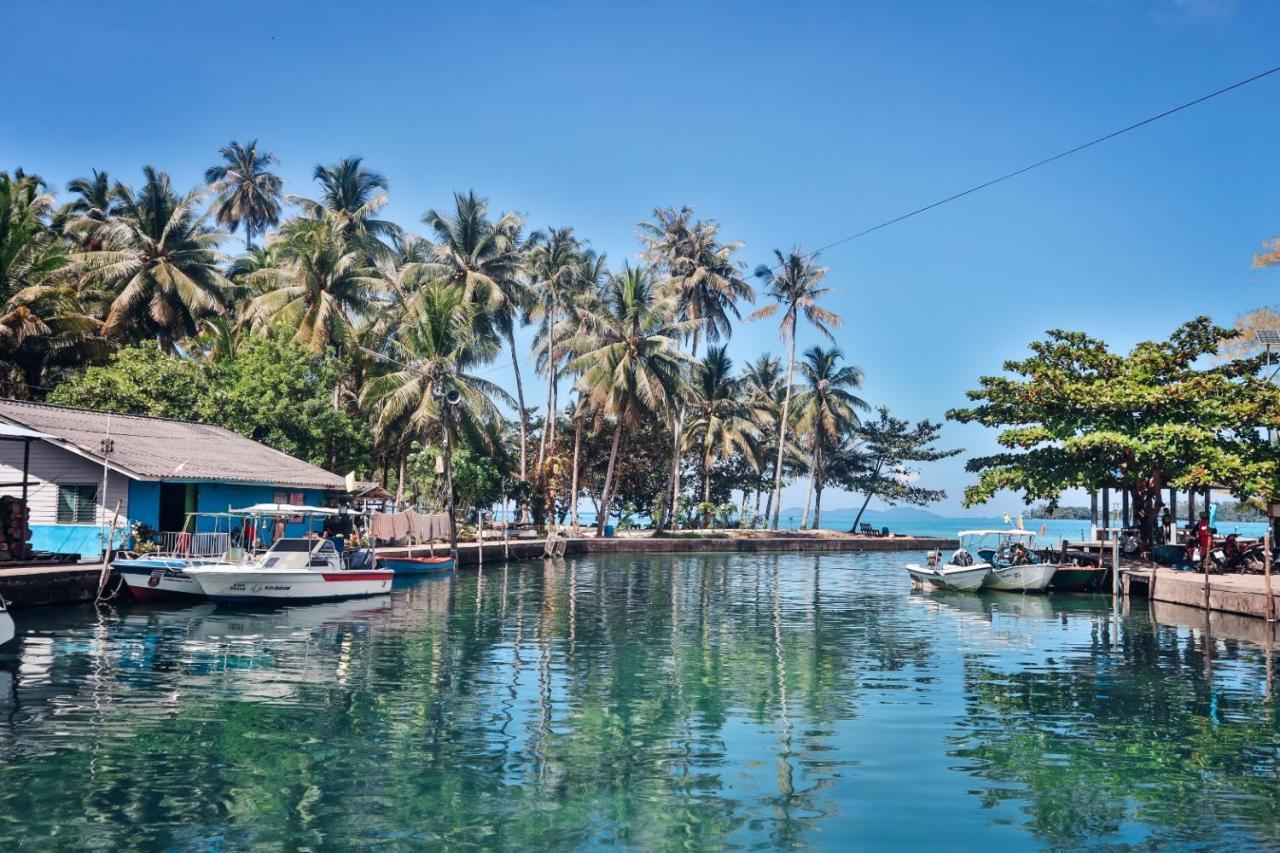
x=77 y=503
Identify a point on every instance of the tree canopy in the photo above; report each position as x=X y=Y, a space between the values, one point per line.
x=1075 y=414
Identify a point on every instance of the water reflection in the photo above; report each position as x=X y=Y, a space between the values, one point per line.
x=694 y=701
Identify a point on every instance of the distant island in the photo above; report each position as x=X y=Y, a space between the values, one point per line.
x=1227 y=511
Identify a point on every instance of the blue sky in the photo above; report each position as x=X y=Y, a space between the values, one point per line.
x=787 y=123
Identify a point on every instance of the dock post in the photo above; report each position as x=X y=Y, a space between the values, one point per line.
x=1115 y=566
x=1266 y=578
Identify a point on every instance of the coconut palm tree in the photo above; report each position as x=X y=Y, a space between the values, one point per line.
x=159 y=260
x=794 y=286
x=707 y=284
x=482 y=258
x=720 y=416
x=42 y=320
x=353 y=195
x=95 y=197
x=827 y=410
x=246 y=193
x=559 y=269
x=629 y=358
x=432 y=391
x=320 y=285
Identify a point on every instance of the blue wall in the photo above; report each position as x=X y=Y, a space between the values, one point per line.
x=144 y=506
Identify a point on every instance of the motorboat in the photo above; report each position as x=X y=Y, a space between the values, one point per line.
x=291 y=570
x=7 y=628
x=1015 y=565
x=159 y=578
x=961 y=572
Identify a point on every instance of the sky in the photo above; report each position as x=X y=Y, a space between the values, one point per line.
x=789 y=124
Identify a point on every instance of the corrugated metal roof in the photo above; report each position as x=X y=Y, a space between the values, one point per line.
x=8 y=431
x=149 y=448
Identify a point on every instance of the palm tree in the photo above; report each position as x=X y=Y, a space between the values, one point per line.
x=434 y=392
x=95 y=198
x=245 y=192
x=42 y=319
x=762 y=380
x=320 y=285
x=720 y=416
x=559 y=270
x=793 y=284
x=630 y=358
x=482 y=259
x=706 y=283
x=354 y=195
x=828 y=410
x=159 y=260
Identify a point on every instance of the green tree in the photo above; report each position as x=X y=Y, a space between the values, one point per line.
x=159 y=260
x=827 y=410
x=352 y=196
x=794 y=286
x=882 y=462
x=139 y=380
x=320 y=286
x=1075 y=414
x=630 y=358
x=720 y=422
x=246 y=193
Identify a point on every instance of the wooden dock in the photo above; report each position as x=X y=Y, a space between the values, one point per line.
x=1244 y=595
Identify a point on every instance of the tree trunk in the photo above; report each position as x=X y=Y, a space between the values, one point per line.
x=782 y=431
x=608 y=478
x=817 y=506
x=577 y=447
x=808 y=501
x=524 y=418
x=768 y=508
x=706 y=485
x=867 y=499
x=677 y=431
x=400 y=482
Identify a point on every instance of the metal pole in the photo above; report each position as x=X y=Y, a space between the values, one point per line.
x=448 y=482
x=1115 y=567
x=26 y=472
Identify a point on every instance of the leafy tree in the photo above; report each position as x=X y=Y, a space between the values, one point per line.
x=826 y=410
x=794 y=285
x=720 y=423
x=246 y=193
x=271 y=390
x=1075 y=414
x=158 y=258
x=477 y=476
x=882 y=462
x=630 y=358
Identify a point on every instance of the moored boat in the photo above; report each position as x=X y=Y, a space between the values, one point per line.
x=952 y=576
x=292 y=570
x=416 y=565
x=159 y=578
x=1016 y=567
x=1073 y=578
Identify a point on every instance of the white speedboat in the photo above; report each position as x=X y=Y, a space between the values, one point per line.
x=1016 y=567
x=159 y=578
x=292 y=570
x=964 y=576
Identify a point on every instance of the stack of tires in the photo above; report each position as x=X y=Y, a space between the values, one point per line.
x=15 y=530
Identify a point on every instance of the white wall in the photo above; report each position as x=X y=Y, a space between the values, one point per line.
x=51 y=465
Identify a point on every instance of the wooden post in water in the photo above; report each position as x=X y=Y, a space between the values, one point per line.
x=106 y=553
x=1115 y=567
x=1266 y=578
x=1106 y=507
x=1124 y=508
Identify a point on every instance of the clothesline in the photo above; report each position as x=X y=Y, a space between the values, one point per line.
x=419 y=526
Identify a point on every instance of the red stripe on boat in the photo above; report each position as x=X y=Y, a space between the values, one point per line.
x=359 y=576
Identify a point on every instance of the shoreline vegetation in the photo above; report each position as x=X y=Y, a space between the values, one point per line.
x=368 y=346
x=1227 y=511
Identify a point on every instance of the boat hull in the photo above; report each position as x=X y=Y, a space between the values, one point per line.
x=158 y=580
x=1079 y=578
x=416 y=565
x=958 y=578
x=250 y=586
x=1033 y=577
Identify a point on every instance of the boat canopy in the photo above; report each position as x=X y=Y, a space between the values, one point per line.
x=967 y=534
x=284 y=510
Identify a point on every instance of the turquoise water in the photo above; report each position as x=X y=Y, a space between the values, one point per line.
x=692 y=702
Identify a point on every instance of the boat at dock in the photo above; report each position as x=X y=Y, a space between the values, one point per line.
x=294 y=569
x=412 y=565
x=1016 y=567
x=159 y=578
x=291 y=570
x=961 y=573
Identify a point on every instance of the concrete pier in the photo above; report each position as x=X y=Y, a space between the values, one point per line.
x=1245 y=595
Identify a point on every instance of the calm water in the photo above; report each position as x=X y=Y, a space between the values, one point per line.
x=687 y=702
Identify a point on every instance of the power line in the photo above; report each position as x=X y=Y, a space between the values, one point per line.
x=1047 y=160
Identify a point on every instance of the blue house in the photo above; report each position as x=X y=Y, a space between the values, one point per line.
x=89 y=464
